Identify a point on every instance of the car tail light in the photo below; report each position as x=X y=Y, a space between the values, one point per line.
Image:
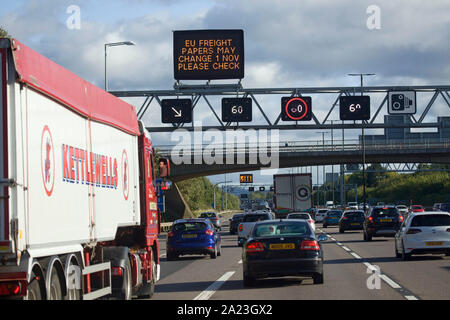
x=117 y=271
x=370 y=219
x=311 y=221
x=413 y=231
x=344 y=218
x=240 y=227
x=310 y=245
x=209 y=232
x=11 y=288
x=170 y=234
x=400 y=218
x=255 y=247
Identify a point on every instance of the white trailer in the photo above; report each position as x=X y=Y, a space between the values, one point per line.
x=78 y=213
x=292 y=193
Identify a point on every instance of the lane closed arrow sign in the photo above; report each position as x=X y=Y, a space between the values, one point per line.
x=176 y=110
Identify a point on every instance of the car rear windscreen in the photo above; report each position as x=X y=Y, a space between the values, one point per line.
x=281 y=229
x=255 y=217
x=208 y=215
x=298 y=216
x=355 y=215
x=432 y=220
x=189 y=226
x=334 y=213
x=384 y=212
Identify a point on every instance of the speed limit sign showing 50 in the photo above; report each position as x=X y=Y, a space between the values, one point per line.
x=303 y=192
x=296 y=109
x=237 y=109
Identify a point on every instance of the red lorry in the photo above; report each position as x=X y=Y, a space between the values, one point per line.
x=78 y=206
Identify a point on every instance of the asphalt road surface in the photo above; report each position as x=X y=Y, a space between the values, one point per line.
x=353 y=270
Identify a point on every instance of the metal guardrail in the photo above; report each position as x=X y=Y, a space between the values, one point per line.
x=309 y=146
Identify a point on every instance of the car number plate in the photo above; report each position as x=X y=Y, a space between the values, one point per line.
x=189 y=236
x=385 y=220
x=356 y=224
x=434 y=243
x=282 y=246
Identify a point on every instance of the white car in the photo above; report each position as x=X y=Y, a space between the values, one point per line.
x=422 y=233
x=321 y=214
x=303 y=216
x=403 y=210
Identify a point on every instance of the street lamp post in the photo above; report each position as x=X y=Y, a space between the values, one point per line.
x=114 y=44
x=361 y=75
x=214 y=192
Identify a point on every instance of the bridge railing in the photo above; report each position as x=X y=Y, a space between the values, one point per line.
x=305 y=146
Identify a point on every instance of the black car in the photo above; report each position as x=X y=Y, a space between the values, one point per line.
x=234 y=222
x=351 y=220
x=382 y=222
x=332 y=218
x=278 y=248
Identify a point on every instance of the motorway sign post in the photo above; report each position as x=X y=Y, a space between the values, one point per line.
x=237 y=109
x=354 y=107
x=176 y=110
x=208 y=54
x=296 y=109
x=402 y=102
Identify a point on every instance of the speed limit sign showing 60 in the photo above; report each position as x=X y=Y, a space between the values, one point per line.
x=296 y=109
x=237 y=109
x=354 y=107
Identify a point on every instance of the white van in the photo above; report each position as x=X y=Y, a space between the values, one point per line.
x=330 y=204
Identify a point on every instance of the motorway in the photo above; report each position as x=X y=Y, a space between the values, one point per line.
x=350 y=273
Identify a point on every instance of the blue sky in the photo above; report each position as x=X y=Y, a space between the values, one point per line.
x=288 y=43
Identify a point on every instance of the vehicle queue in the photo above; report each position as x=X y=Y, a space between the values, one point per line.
x=290 y=247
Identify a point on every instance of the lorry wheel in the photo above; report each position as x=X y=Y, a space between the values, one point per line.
x=55 y=286
x=148 y=288
x=126 y=294
x=34 y=288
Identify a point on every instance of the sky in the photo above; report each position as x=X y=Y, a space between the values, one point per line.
x=288 y=43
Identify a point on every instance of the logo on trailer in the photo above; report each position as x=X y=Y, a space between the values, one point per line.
x=47 y=161
x=126 y=171
x=303 y=193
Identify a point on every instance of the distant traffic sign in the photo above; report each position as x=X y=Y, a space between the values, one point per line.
x=354 y=107
x=237 y=109
x=402 y=102
x=296 y=109
x=246 y=178
x=176 y=110
x=208 y=54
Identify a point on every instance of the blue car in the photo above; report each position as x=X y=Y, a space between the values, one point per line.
x=193 y=236
x=332 y=218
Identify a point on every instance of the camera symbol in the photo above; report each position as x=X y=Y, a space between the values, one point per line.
x=400 y=102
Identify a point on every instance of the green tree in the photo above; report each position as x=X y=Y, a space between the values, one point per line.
x=4 y=33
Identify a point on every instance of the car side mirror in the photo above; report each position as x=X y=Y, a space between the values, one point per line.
x=322 y=237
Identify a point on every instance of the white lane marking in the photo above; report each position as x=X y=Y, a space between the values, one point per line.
x=389 y=281
x=346 y=249
x=355 y=255
x=411 y=298
x=240 y=261
x=205 y=295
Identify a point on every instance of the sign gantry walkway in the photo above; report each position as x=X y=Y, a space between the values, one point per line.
x=203 y=93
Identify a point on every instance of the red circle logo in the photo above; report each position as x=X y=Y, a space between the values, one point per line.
x=47 y=161
x=300 y=107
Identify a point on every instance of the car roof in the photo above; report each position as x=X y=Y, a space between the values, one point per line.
x=354 y=210
x=190 y=220
x=427 y=213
